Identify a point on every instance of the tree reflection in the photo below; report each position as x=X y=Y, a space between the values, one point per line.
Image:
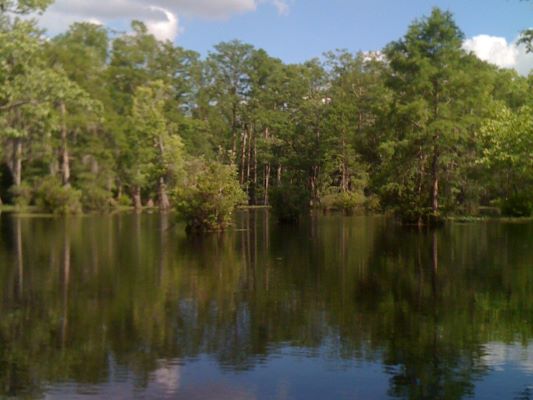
x=130 y=291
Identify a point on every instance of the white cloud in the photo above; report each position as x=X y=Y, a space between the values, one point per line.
x=164 y=30
x=498 y=51
x=282 y=6
x=161 y=16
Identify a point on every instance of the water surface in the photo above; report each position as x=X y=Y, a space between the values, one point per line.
x=127 y=306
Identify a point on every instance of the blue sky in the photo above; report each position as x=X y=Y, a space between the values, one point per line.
x=297 y=30
x=315 y=26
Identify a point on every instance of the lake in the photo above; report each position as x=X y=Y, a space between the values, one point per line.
x=126 y=306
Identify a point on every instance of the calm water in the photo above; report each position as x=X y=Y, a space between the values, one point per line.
x=338 y=308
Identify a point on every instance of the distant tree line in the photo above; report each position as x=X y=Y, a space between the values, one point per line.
x=92 y=120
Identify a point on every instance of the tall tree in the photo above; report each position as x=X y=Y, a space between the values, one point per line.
x=156 y=147
x=228 y=87
x=435 y=96
x=507 y=142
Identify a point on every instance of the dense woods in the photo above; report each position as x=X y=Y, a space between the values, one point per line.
x=94 y=120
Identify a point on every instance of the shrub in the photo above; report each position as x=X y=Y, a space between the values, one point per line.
x=95 y=198
x=343 y=201
x=519 y=205
x=372 y=204
x=51 y=196
x=124 y=201
x=289 y=202
x=21 y=195
x=208 y=200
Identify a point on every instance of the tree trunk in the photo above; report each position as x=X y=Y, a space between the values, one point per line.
x=422 y=160
x=267 y=184
x=435 y=183
x=53 y=168
x=344 y=179
x=266 y=172
x=279 y=175
x=65 y=161
x=120 y=190
x=243 y=154
x=252 y=168
x=164 y=203
x=249 y=154
x=17 y=162
x=234 y=129
x=137 y=202
x=314 y=183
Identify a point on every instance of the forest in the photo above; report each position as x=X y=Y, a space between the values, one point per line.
x=94 y=120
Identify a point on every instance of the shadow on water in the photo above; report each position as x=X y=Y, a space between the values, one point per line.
x=102 y=300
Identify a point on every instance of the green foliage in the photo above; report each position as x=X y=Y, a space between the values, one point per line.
x=154 y=150
x=209 y=198
x=95 y=198
x=23 y=6
x=343 y=201
x=518 y=205
x=51 y=196
x=507 y=139
x=21 y=195
x=373 y=204
x=289 y=202
x=422 y=128
x=440 y=95
x=124 y=201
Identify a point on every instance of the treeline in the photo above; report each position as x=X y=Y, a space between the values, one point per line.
x=93 y=119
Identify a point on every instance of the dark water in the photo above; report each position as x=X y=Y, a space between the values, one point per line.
x=338 y=308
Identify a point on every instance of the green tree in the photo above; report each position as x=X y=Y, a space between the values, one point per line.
x=210 y=195
x=436 y=107
x=507 y=142
x=155 y=146
x=358 y=102
x=132 y=57
x=23 y=6
x=82 y=54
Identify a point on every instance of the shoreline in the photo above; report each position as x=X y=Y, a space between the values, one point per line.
x=34 y=212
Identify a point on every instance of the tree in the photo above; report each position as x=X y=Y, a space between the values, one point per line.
x=228 y=74
x=132 y=57
x=209 y=197
x=31 y=94
x=155 y=146
x=436 y=104
x=82 y=54
x=507 y=142
x=23 y=6
x=358 y=102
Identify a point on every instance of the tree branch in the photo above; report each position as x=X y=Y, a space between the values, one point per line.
x=16 y=104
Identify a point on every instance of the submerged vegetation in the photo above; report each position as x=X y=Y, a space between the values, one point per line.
x=93 y=120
